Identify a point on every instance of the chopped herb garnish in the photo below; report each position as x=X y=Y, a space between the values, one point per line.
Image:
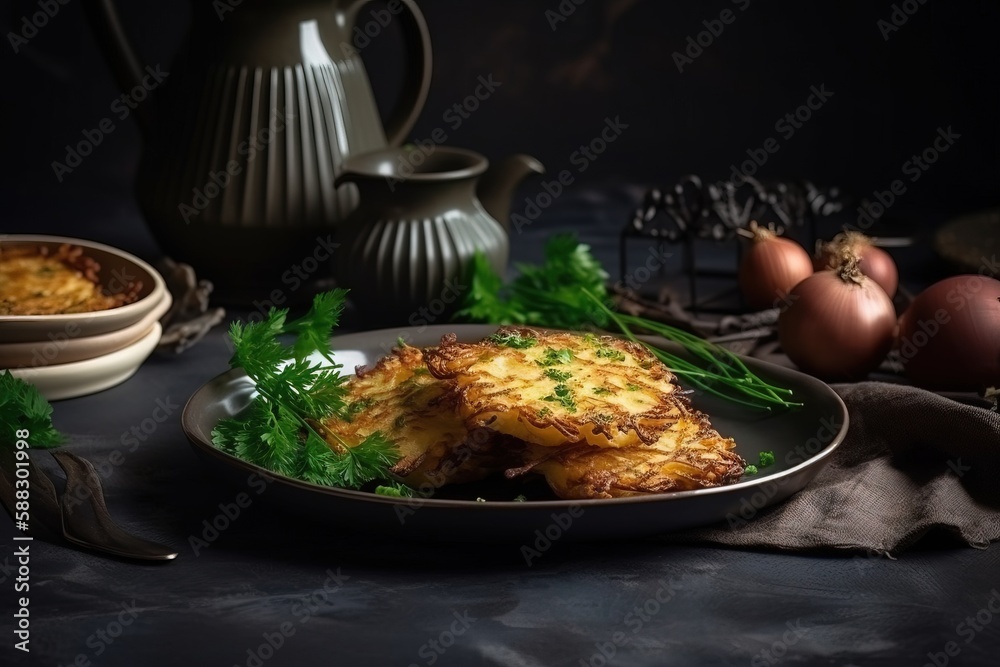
x=602 y=391
x=750 y=470
x=520 y=498
x=394 y=490
x=557 y=375
x=512 y=339
x=563 y=396
x=766 y=459
x=631 y=386
x=544 y=412
x=357 y=406
x=556 y=357
x=605 y=352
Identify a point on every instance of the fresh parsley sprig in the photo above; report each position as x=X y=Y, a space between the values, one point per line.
x=22 y=407
x=280 y=431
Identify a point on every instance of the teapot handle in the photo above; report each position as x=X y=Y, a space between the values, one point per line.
x=416 y=80
x=107 y=27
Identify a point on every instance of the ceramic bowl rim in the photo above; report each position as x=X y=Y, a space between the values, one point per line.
x=100 y=321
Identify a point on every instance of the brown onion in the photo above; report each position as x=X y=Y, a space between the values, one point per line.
x=771 y=266
x=874 y=262
x=838 y=325
x=949 y=337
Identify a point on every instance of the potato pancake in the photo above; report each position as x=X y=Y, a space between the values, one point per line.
x=556 y=388
x=402 y=400
x=688 y=455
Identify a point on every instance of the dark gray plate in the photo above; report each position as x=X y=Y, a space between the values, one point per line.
x=801 y=439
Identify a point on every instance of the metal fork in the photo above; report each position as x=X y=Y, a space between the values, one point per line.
x=81 y=516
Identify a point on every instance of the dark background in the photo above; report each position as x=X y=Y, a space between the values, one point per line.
x=611 y=58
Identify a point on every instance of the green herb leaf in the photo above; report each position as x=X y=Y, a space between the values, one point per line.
x=484 y=301
x=394 y=490
x=750 y=470
x=23 y=407
x=512 y=339
x=562 y=395
x=294 y=392
x=366 y=462
x=557 y=375
x=356 y=407
x=605 y=352
x=568 y=265
x=766 y=459
x=553 y=357
x=313 y=329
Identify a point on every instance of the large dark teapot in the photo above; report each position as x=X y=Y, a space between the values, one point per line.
x=248 y=130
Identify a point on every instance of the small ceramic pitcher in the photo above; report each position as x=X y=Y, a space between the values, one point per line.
x=406 y=252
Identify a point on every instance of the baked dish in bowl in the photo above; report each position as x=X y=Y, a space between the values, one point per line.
x=55 y=288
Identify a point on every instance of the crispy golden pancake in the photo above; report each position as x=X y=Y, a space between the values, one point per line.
x=409 y=406
x=559 y=388
x=598 y=417
x=688 y=455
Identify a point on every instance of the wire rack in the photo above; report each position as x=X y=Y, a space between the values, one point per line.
x=693 y=211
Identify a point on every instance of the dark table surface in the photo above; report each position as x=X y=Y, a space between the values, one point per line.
x=274 y=590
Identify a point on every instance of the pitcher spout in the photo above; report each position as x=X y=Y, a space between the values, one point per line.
x=496 y=186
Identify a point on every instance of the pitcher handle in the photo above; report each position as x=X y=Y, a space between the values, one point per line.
x=111 y=38
x=416 y=80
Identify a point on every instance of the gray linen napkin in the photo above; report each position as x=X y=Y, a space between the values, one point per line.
x=912 y=462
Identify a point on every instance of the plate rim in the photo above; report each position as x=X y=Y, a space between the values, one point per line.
x=188 y=419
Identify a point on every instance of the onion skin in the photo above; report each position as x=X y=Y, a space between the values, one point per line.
x=874 y=262
x=949 y=337
x=837 y=328
x=770 y=268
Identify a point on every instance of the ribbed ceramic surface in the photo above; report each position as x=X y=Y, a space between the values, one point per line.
x=401 y=271
x=278 y=134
